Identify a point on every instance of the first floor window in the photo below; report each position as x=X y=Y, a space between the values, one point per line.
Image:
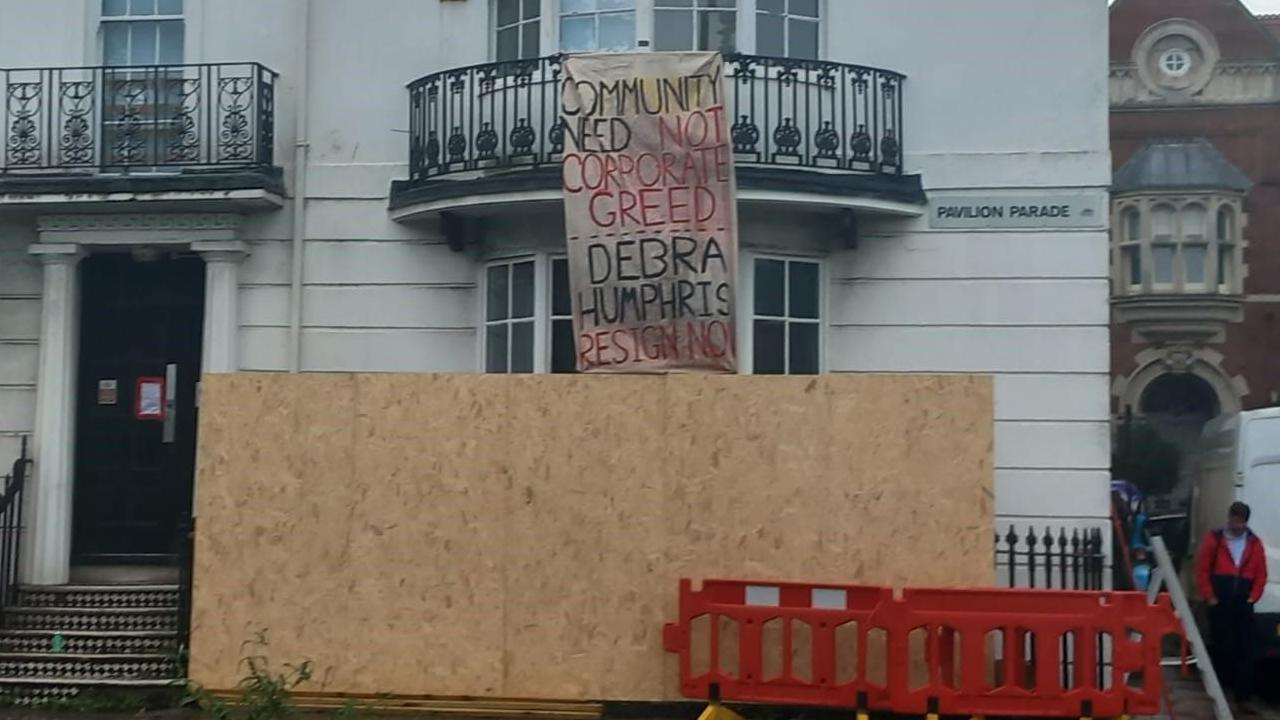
x=142 y=32
x=787 y=28
x=1226 y=234
x=785 y=317
x=1168 y=244
x=1131 y=247
x=517 y=27
x=587 y=25
x=526 y=29
x=509 y=317
x=695 y=25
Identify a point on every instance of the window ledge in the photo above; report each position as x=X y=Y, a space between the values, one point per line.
x=1178 y=317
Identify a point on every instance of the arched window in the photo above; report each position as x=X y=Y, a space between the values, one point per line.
x=1164 y=248
x=1167 y=244
x=1226 y=237
x=1195 y=245
x=1131 y=247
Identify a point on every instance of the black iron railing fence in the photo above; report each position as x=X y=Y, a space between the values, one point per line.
x=215 y=116
x=1058 y=560
x=11 y=528
x=186 y=567
x=800 y=113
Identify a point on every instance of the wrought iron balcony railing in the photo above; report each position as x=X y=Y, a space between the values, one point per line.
x=152 y=118
x=796 y=113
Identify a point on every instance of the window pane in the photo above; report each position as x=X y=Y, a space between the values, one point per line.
x=1162 y=258
x=561 y=304
x=617 y=4
x=1226 y=263
x=1193 y=222
x=563 y=358
x=771 y=6
x=495 y=348
x=532 y=8
x=718 y=3
x=508 y=44
x=1131 y=225
x=1226 y=226
x=1162 y=222
x=142 y=7
x=568 y=7
x=522 y=347
x=522 y=290
x=115 y=43
x=529 y=36
x=769 y=38
x=769 y=288
x=673 y=30
x=802 y=289
x=1133 y=261
x=617 y=31
x=169 y=7
x=768 y=347
x=673 y=3
x=1193 y=257
x=508 y=12
x=718 y=31
x=113 y=8
x=142 y=43
x=496 y=293
x=807 y=8
x=578 y=34
x=804 y=39
x=804 y=349
x=170 y=42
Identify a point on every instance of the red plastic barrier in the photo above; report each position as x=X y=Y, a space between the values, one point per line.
x=991 y=652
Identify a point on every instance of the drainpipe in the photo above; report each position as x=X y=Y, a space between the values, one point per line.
x=301 y=145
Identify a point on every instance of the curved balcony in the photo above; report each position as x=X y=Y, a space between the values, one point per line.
x=822 y=129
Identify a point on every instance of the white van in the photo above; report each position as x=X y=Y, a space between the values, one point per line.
x=1238 y=458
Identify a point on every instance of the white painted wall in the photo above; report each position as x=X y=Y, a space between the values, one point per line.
x=1002 y=95
x=20 y=280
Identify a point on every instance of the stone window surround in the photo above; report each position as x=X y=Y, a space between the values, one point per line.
x=1144 y=203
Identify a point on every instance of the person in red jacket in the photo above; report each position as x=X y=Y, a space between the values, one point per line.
x=1231 y=573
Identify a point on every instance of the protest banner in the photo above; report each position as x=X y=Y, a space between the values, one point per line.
x=650 y=212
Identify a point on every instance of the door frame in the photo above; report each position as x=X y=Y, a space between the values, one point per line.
x=62 y=241
x=174 y=307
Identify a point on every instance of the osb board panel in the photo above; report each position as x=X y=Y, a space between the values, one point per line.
x=496 y=536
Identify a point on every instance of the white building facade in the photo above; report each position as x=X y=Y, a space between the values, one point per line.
x=194 y=186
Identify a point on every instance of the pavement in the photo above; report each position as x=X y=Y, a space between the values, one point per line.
x=1190 y=702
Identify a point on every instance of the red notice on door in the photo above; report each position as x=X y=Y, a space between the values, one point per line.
x=148 y=398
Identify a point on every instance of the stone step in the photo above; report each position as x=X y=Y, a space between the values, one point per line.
x=65 y=619
x=26 y=691
x=64 y=666
x=98 y=596
x=90 y=642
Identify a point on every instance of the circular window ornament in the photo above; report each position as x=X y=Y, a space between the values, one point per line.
x=1175 y=58
x=1175 y=62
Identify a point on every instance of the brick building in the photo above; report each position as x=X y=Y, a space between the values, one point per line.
x=1195 y=138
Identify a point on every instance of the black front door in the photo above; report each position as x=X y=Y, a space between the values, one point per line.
x=135 y=461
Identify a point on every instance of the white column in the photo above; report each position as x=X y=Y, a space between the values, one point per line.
x=47 y=558
x=222 y=260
